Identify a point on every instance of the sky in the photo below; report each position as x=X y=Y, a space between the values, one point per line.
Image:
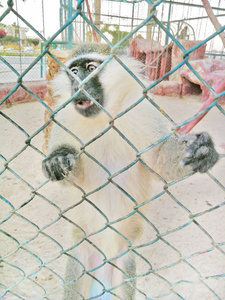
x=31 y=10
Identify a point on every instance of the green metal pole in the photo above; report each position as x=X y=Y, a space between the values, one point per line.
x=65 y=18
x=61 y=14
x=41 y=60
x=132 y=20
x=70 y=27
x=84 y=33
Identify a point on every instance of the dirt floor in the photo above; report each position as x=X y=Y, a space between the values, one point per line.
x=191 y=260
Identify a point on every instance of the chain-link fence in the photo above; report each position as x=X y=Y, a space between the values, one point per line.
x=20 y=65
x=180 y=253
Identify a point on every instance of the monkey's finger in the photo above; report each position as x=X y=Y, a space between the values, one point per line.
x=204 y=138
x=201 y=166
x=202 y=152
x=46 y=166
x=62 y=165
x=56 y=169
x=185 y=161
x=189 y=139
x=197 y=148
x=66 y=163
x=70 y=161
x=203 y=160
x=195 y=164
x=190 y=151
x=196 y=158
x=196 y=152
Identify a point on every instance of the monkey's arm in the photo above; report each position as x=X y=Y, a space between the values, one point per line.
x=178 y=157
x=62 y=148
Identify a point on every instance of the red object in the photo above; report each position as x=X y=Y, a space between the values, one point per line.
x=156 y=58
x=2 y=33
x=159 y=60
x=213 y=72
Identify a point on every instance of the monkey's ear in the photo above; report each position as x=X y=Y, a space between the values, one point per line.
x=200 y=153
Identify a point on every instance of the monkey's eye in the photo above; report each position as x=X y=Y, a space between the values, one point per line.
x=92 y=66
x=74 y=70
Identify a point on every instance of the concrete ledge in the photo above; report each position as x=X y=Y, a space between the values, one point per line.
x=167 y=88
x=39 y=88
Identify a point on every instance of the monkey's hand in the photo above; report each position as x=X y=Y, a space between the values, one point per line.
x=200 y=153
x=59 y=163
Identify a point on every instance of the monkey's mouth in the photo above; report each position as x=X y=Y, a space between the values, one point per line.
x=87 y=107
x=83 y=103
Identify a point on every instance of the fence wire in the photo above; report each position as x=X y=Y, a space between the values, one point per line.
x=184 y=260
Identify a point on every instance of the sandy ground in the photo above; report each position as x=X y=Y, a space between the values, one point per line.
x=196 y=261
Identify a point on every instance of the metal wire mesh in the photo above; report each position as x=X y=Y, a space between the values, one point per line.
x=34 y=245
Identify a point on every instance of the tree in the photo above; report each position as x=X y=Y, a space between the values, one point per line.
x=117 y=34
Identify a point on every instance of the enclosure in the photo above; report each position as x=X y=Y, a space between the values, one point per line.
x=181 y=45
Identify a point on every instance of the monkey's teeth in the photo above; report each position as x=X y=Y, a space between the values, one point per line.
x=84 y=104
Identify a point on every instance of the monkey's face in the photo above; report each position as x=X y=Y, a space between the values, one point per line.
x=82 y=67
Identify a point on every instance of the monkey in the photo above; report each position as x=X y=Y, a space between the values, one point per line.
x=108 y=157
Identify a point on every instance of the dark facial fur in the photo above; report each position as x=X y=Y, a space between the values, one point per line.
x=82 y=68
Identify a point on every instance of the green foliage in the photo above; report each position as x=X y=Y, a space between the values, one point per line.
x=34 y=42
x=115 y=32
x=16 y=54
x=11 y=39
